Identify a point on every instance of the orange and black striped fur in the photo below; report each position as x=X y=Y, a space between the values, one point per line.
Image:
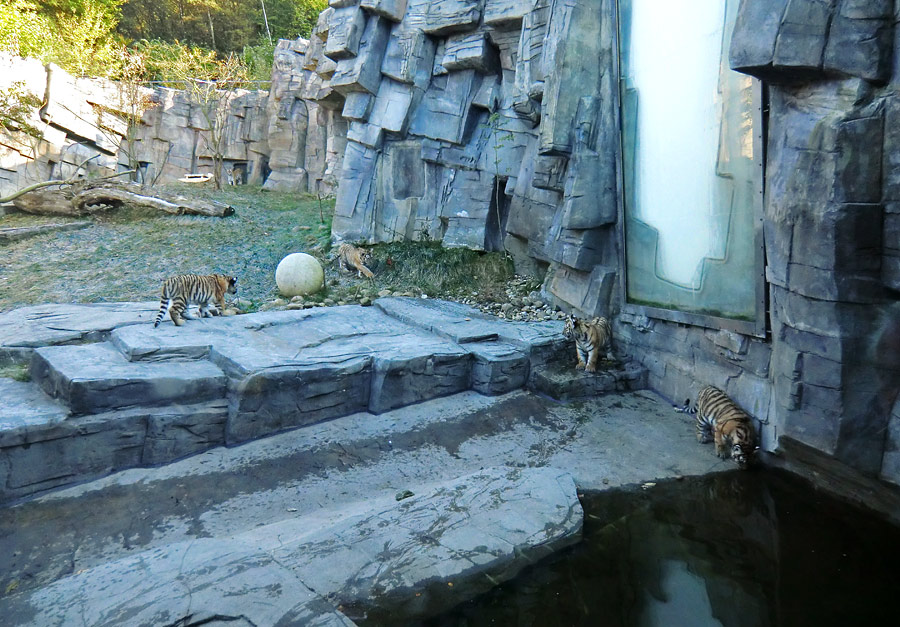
x=721 y=419
x=352 y=258
x=178 y=292
x=591 y=338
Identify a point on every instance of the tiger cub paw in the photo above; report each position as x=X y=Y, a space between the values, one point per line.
x=590 y=368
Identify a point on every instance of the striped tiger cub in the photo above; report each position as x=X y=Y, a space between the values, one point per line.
x=178 y=292
x=352 y=258
x=721 y=419
x=590 y=339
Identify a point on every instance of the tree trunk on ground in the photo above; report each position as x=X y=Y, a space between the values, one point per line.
x=84 y=200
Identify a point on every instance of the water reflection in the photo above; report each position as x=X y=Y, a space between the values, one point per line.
x=753 y=549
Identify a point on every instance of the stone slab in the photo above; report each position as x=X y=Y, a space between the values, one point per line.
x=472 y=532
x=39 y=455
x=24 y=329
x=313 y=476
x=24 y=405
x=562 y=382
x=498 y=367
x=464 y=324
x=94 y=377
x=208 y=581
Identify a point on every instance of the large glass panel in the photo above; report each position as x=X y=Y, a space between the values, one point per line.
x=691 y=168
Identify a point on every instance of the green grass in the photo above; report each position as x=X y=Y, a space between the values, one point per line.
x=127 y=253
x=19 y=372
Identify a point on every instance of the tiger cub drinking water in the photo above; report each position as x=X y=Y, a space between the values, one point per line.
x=729 y=425
x=590 y=339
x=352 y=258
x=178 y=292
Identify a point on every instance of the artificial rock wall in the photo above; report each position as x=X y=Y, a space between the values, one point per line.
x=494 y=123
x=479 y=123
x=82 y=121
x=828 y=375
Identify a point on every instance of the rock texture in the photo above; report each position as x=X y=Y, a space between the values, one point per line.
x=107 y=394
x=82 y=122
x=830 y=374
x=470 y=533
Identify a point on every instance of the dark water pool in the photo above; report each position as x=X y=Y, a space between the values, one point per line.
x=752 y=548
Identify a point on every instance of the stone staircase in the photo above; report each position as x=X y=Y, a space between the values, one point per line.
x=109 y=391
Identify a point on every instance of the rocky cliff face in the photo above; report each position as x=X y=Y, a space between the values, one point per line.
x=478 y=123
x=81 y=120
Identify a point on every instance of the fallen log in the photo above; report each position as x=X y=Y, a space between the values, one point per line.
x=86 y=199
x=109 y=194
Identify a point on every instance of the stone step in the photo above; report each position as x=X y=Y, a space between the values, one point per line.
x=388 y=553
x=296 y=488
x=563 y=382
x=95 y=377
x=153 y=395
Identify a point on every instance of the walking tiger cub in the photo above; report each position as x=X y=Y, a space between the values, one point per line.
x=729 y=425
x=179 y=292
x=590 y=339
x=352 y=258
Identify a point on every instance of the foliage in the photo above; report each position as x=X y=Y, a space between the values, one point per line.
x=259 y=58
x=172 y=62
x=78 y=35
x=17 y=109
x=221 y=25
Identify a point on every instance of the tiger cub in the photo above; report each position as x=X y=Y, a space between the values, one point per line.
x=352 y=258
x=193 y=289
x=729 y=425
x=590 y=339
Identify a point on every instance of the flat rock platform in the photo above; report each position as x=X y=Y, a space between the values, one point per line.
x=108 y=391
x=302 y=467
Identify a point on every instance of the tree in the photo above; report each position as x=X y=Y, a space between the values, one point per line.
x=212 y=96
x=78 y=35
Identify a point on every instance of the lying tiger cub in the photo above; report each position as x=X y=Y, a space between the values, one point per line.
x=590 y=339
x=179 y=292
x=352 y=258
x=719 y=418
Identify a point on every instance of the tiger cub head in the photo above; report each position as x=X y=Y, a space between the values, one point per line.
x=743 y=453
x=573 y=327
x=226 y=283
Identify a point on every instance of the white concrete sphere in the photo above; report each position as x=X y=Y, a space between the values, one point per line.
x=299 y=274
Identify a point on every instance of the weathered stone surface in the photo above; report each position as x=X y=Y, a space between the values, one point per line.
x=448 y=16
x=42 y=455
x=498 y=367
x=363 y=72
x=444 y=110
x=278 y=398
x=259 y=580
x=22 y=330
x=346 y=30
x=412 y=549
x=97 y=376
x=561 y=381
x=505 y=12
x=23 y=405
x=797 y=39
x=178 y=431
x=205 y=580
x=470 y=51
x=42 y=447
x=394 y=10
